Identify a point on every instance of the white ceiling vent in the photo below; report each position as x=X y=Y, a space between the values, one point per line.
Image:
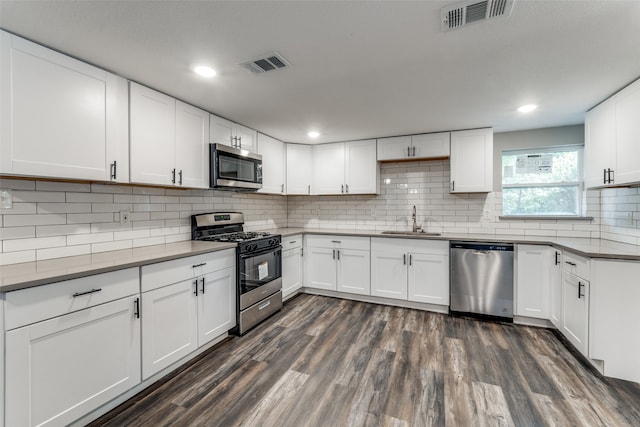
x=270 y=62
x=460 y=14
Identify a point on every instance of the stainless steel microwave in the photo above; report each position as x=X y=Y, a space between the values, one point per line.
x=234 y=169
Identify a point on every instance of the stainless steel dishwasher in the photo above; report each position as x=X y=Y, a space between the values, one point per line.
x=481 y=278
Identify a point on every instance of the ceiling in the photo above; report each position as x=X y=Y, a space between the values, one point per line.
x=360 y=69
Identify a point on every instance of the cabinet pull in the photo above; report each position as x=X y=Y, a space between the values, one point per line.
x=301 y=252
x=309 y=189
x=136 y=308
x=557 y=255
x=410 y=259
x=195 y=284
x=453 y=186
x=292 y=242
x=408 y=151
x=342 y=188
x=573 y=264
x=338 y=254
x=92 y=291
x=113 y=169
x=180 y=175
x=239 y=142
x=203 y=286
x=611 y=178
x=404 y=259
x=413 y=149
x=580 y=286
x=282 y=188
x=334 y=253
x=604 y=176
x=173 y=176
x=199 y=265
x=336 y=241
x=347 y=187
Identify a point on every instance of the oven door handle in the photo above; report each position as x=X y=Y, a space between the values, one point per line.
x=266 y=251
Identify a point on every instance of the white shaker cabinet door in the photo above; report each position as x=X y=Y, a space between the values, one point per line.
x=299 y=169
x=169 y=325
x=428 y=279
x=430 y=145
x=272 y=152
x=291 y=271
x=354 y=271
x=472 y=161
x=534 y=263
x=247 y=138
x=394 y=148
x=60 y=369
x=362 y=170
x=222 y=131
x=60 y=117
x=328 y=169
x=216 y=304
x=575 y=311
x=389 y=274
x=191 y=146
x=600 y=144
x=628 y=135
x=320 y=268
x=152 y=134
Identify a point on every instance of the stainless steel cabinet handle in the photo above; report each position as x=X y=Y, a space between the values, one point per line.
x=180 y=175
x=92 y=291
x=604 y=176
x=410 y=259
x=347 y=187
x=199 y=265
x=573 y=264
x=195 y=284
x=453 y=186
x=408 y=151
x=136 y=308
x=342 y=188
x=611 y=178
x=338 y=254
x=203 y=286
x=334 y=254
x=557 y=255
x=113 y=169
x=404 y=259
x=414 y=150
x=239 y=142
x=173 y=176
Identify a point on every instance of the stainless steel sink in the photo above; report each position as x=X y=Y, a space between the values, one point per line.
x=412 y=233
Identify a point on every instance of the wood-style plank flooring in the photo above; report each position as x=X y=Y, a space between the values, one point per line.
x=330 y=362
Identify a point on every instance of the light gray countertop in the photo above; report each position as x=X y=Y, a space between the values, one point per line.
x=592 y=248
x=29 y=274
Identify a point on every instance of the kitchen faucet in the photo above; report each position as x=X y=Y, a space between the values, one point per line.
x=416 y=227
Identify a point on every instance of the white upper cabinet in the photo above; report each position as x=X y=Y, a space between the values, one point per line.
x=346 y=168
x=472 y=161
x=362 y=171
x=232 y=134
x=328 y=169
x=192 y=134
x=60 y=117
x=168 y=140
x=599 y=146
x=611 y=140
x=299 y=169
x=273 y=166
x=413 y=147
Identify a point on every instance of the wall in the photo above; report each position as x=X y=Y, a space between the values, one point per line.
x=56 y=219
x=621 y=215
x=425 y=184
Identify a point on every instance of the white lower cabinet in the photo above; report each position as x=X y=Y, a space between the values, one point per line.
x=338 y=263
x=60 y=369
x=180 y=317
x=408 y=269
x=575 y=311
x=614 y=318
x=534 y=267
x=291 y=265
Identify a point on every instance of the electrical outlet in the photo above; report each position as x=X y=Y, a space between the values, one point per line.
x=486 y=215
x=6 y=199
x=125 y=217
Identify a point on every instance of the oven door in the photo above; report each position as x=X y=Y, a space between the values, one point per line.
x=259 y=275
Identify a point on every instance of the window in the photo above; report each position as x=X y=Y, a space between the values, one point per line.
x=544 y=181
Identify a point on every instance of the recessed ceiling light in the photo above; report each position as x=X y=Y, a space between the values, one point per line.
x=527 y=108
x=204 y=71
x=313 y=134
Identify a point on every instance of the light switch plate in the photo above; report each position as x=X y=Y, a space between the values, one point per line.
x=6 y=199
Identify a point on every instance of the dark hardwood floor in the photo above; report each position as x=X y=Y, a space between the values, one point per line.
x=331 y=362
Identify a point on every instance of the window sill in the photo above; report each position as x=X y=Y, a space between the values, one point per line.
x=548 y=217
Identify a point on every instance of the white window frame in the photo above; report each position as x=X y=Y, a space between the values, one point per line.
x=552 y=149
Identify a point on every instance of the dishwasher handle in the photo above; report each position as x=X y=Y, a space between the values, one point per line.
x=476 y=252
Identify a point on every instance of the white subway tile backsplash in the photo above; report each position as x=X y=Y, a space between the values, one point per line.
x=17 y=184
x=89 y=198
x=62 y=186
x=82 y=239
x=33 y=243
x=89 y=218
x=64 y=208
x=111 y=246
x=42 y=254
x=17 y=232
x=20 y=209
x=38 y=196
x=61 y=230
x=35 y=219
x=17 y=257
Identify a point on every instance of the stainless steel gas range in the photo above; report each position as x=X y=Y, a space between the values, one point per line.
x=258 y=265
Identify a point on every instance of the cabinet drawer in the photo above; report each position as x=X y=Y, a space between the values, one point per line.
x=165 y=273
x=292 y=242
x=338 y=242
x=576 y=264
x=436 y=247
x=33 y=305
